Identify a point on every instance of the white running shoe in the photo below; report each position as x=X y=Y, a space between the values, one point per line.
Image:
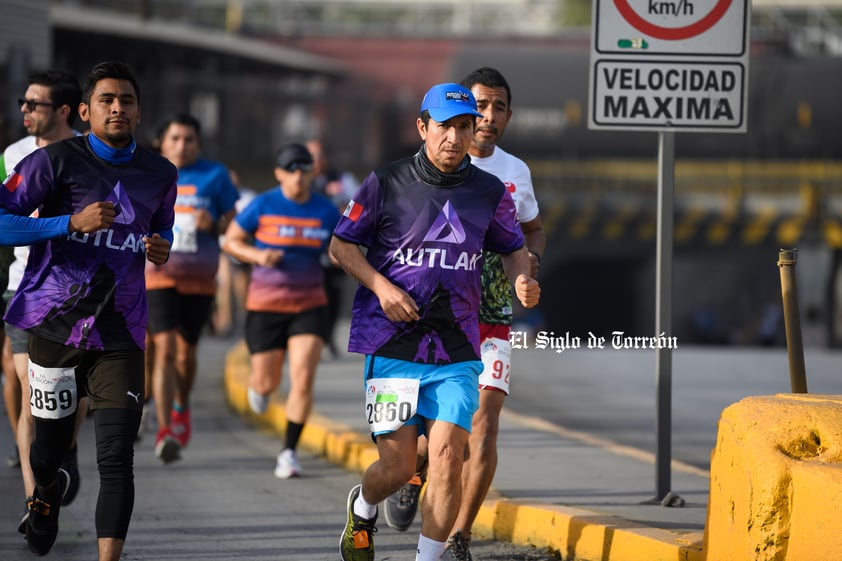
x=258 y=403
x=167 y=448
x=147 y=419
x=287 y=465
x=144 y=421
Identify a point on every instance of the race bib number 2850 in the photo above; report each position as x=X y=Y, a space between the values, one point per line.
x=390 y=402
x=52 y=391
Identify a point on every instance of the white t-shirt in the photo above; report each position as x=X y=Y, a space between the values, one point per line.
x=496 y=302
x=13 y=154
x=514 y=173
x=17 y=151
x=17 y=267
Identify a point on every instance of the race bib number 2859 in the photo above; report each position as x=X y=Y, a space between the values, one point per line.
x=52 y=391
x=390 y=402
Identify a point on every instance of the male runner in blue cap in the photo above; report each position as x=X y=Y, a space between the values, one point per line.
x=424 y=221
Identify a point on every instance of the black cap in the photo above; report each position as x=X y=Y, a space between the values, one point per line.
x=293 y=154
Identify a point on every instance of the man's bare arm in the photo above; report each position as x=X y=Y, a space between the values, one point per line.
x=536 y=241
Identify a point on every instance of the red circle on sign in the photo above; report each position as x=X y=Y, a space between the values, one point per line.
x=673 y=33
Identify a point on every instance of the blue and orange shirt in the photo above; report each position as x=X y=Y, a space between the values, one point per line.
x=194 y=256
x=302 y=231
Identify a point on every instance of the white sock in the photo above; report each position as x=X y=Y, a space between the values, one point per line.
x=429 y=550
x=363 y=509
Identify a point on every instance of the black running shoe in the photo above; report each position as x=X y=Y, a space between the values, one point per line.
x=458 y=548
x=70 y=464
x=42 y=524
x=400 y=507
x=25 y=516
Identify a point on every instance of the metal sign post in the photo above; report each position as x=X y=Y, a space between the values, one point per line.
x=668 y=66
x=663 y=314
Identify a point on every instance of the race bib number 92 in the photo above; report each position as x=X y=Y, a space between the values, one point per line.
x=496 y=364
x=52 y=391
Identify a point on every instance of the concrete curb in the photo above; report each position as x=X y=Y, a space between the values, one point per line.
x=572 y=533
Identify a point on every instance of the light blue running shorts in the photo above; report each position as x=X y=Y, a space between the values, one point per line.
x=447 y=392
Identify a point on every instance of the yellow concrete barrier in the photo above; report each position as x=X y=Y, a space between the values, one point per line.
x=776 y=480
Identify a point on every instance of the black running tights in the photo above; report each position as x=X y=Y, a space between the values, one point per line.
x=115 y=434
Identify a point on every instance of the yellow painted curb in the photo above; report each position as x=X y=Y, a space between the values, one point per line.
x=337 y=442
x=572 y=533
x=584 y=535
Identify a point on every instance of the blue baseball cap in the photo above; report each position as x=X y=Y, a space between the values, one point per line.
x=445 y=101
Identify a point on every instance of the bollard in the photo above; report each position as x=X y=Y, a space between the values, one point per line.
x=776 y=480
x=792 y=322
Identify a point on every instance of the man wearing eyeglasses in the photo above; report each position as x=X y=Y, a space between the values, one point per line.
x=49 y=108
x=286 y=304
x=181 y=292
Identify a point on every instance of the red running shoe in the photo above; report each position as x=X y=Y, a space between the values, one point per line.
x=167 y=448
x=180 y=426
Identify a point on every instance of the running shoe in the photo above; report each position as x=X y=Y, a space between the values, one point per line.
x=180 y=426
x=70 y=464
x=258 y=403
x=357 y=541
x=42 y=524
x=13 y=460
x=146 y=415
x=458 y=548
x=400 y=507
x=287 y=465
x=167 y=447
x=25 y=516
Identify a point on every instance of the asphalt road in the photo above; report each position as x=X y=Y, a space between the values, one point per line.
x=610 y=393
x=221 y=501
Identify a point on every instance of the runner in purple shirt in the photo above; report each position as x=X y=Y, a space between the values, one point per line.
x=105 y=208
x=423 y=222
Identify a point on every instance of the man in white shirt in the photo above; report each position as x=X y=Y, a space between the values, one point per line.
x=49 y=107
